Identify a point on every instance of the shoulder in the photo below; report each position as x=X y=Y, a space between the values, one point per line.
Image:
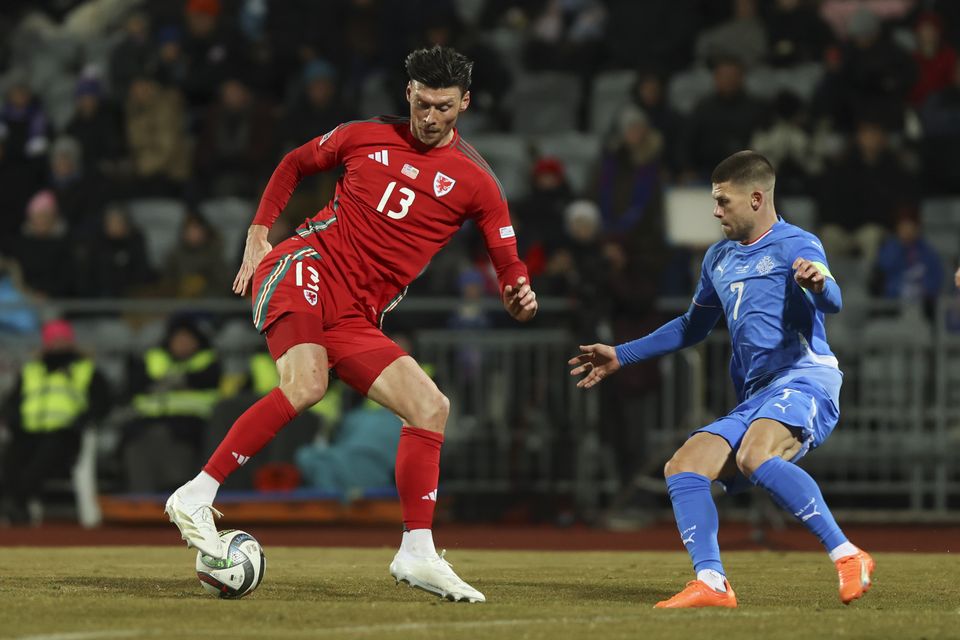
x=716 y=251
x=480 y=170
x=793 y=239
x=375 y=127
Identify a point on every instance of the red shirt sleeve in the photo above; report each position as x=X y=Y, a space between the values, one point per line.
x=320 y=154
x=493 y=220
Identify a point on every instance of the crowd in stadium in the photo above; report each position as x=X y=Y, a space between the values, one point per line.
x=198 y=100
x=588 y=110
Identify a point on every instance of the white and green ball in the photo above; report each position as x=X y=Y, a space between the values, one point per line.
x=239 y=573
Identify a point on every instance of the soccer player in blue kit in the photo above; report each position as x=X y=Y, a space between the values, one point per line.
x=770 y=280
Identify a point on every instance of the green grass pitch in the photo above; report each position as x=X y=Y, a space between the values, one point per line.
x=151 y=592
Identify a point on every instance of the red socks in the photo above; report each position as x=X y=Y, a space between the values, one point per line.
x=250 y=433
x=417 y=472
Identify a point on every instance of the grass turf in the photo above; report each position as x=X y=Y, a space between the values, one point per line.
x=151 y=592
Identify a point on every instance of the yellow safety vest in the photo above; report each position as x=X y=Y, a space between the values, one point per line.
x=54 y=400
x=177 y=402
x=264 y=378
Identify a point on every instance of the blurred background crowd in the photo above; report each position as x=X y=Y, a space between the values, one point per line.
x=136 y=137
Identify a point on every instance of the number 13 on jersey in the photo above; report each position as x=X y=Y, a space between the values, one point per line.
x=405 y=201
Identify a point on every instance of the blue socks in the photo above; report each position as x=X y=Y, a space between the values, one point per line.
x=793 y=489
x=697 y=519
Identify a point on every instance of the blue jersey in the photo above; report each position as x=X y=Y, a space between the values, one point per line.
x=775 y=330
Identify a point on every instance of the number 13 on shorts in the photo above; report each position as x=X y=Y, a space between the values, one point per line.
x=314 y=276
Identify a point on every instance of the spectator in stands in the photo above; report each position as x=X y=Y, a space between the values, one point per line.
x=20 y=180
x=648 y=94
x=318 y=108
x=936 y=60
x=628 y=188
x=114 y=262
x=78 y=194
x=13 y=321
x=907 y=267
x=565 y=36
x=795 y=33
x=539 y=215
x=195 y=268
x=55 y=396
x=875 y=75
x=721 y=123
x=43 y=251
x=940 y=146
x=173 y=388
x=470 y=313
x=213 y=49
x=860 y=193
x=157 y=136
x=27 y=126
x=787 y=143
x=235 y=142
x=133 y=55
x=171 y=62
x=652 y=31
x=96 y=126
x=360 y=456
x=743 y=37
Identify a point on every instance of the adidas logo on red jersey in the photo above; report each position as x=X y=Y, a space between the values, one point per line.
x=380 y=156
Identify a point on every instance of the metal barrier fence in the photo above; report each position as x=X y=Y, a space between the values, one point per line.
x=519 y=426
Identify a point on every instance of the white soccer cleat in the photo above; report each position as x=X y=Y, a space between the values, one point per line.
x=433 y=574
x=196 y=524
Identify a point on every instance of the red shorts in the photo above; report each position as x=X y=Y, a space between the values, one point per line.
x=297 y=301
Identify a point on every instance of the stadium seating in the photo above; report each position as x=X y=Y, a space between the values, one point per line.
x=611 y=90
x=159 y=220
x=577 y=151
x=767 y=82
x=798 y=210
x=230 y=217
x=509 y=159
x=688 y=87
x=545 y=103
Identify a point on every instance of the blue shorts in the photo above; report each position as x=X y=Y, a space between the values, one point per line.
x=800 y=402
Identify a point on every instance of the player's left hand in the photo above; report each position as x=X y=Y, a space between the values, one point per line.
x=808 y=275
x=520 y=301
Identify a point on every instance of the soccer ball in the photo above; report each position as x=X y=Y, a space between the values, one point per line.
x=239 y=573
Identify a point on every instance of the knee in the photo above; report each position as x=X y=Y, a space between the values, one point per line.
x=432 y=412
x=304 y=393
x=750 y=458
x=676 y=464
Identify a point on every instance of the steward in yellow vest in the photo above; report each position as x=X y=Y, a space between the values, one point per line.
x=55 y=396
x=173 y=389
x=179 y=379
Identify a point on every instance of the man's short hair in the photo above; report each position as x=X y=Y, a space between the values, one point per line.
x=439 y=68
x=745 y=168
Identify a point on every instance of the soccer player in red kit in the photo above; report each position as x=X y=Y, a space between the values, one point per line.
x=319 y=297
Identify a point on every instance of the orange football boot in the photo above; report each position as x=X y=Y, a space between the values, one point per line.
x=699 y=594
x=855 y=573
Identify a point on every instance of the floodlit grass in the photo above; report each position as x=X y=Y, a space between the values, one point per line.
x=151 y=592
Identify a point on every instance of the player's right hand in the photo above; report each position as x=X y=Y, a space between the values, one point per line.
x=598 y=361
x=254 y=251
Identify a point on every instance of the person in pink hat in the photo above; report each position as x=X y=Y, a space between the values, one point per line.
x=56 y=396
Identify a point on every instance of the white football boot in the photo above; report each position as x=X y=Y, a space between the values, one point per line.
x=434 y=574
x=196 y=524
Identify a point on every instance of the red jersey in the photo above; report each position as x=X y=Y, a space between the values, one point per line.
x=396 y=205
